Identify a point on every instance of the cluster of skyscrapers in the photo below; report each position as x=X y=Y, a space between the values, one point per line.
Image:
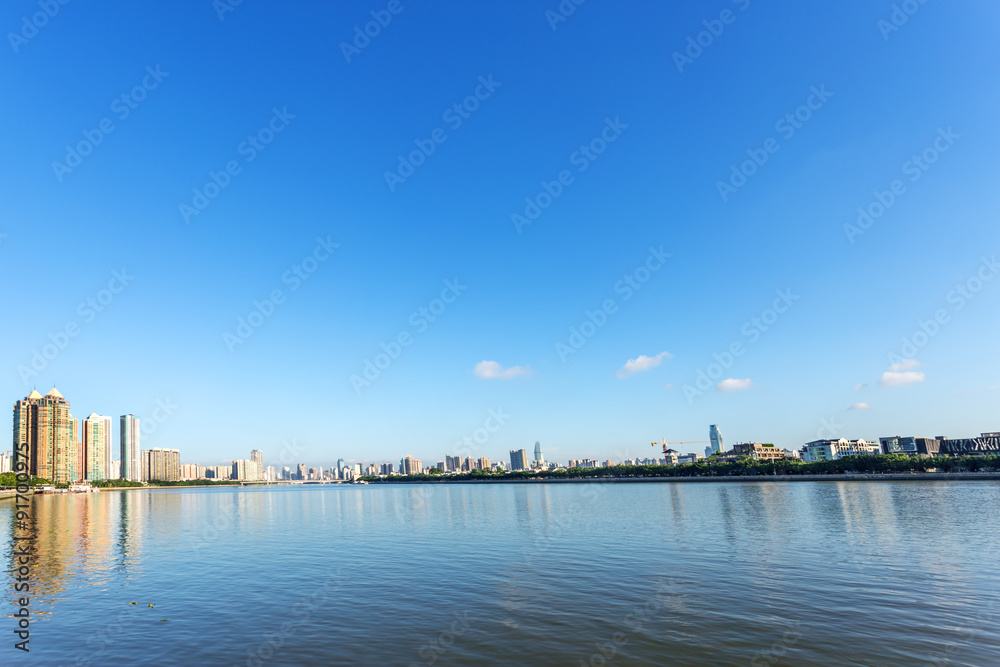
x=56 y=446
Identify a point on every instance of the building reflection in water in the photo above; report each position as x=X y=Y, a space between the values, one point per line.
x=91 y=537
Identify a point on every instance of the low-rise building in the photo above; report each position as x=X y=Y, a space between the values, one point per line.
x=987 y=444
x=831 y=450
x=909 y=445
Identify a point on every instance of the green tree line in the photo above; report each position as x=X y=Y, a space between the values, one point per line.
x=742 y=467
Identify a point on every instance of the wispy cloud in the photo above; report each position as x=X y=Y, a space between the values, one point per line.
x=642 y=363
x=859 y=387
x=904 y=365
x=732 y=384
x=492 y=370
x=860 y=406
x=896 y=379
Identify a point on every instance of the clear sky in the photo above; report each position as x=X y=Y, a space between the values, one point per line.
x=713 y=154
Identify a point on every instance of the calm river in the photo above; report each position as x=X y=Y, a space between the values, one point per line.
x=809 y=573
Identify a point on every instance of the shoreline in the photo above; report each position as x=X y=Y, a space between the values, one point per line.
x=752 y=479
x=858 y=477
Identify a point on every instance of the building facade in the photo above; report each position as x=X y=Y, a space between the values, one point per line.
x=131 y=454
x=94 y=445
x=716 y=445
x=539 y=457
x=518 y=459
x=831 y=450
x=410 y=466
x=44 y=439
x=161 y=465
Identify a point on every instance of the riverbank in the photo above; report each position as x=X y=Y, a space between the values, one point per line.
x=864 y=477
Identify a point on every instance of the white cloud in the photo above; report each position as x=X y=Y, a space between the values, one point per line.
x=859 y=387
x=732 y=384
x=896 y=379
x=642 y=363
x=670 y=385
x=491 y=370
x=860 y=406
x=904 y=365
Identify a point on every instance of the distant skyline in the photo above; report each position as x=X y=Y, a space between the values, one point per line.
x=594 y=232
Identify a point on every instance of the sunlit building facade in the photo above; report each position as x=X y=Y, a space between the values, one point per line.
x=44 y=438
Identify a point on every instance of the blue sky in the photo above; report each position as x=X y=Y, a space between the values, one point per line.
x=641 y=139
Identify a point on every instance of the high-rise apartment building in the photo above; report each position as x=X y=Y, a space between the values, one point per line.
x=410 y=466
x=131 y=454
x=44 y=438
x=161 y=465
x=5 y=462
x=518 y=460
x=385 y=469
x=110 y=471
x=257 y=457
x=483 y=463
x=301 y=471
x=94 y=445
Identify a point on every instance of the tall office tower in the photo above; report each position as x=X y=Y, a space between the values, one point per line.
x=518 y=460
x=110 y=472
x=301 y=472
x=94 y=447
x=410 y=466
x=131 y=454
x=43 y=437
x=467 y=464
x=539 y=457
x=717 y=446
x=257 y=457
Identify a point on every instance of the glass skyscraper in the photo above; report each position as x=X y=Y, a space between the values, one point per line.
x=717 y=447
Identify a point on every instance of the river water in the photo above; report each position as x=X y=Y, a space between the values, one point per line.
x=732 y=573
